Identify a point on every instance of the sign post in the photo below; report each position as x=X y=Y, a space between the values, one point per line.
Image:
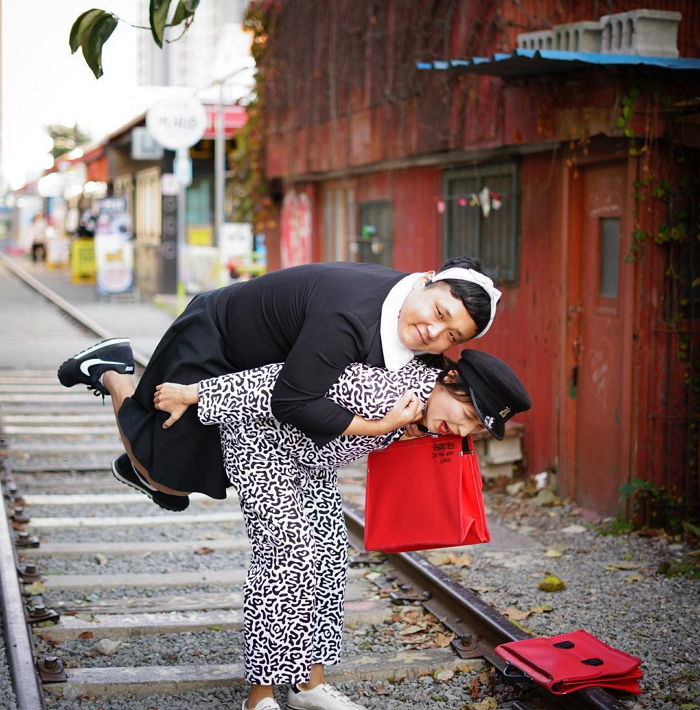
x=177 y=123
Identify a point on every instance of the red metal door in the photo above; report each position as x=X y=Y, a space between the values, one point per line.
x=598 y=341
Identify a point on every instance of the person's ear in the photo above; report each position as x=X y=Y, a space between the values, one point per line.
x=426 y=278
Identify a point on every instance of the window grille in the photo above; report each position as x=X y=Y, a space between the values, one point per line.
x=480 y=208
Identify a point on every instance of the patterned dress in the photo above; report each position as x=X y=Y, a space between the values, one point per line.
x=287 y=487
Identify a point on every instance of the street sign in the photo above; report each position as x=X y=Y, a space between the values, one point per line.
x=177 y=121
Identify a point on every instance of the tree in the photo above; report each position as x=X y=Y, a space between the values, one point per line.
x=94 y=27
x=66 y=138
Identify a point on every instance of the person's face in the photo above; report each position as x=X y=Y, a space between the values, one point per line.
x=445 y=414
x=432 y=320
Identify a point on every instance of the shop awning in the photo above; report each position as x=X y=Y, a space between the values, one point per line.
x=526 y=62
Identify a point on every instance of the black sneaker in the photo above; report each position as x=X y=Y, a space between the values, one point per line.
x=124 y=472
x=87 y=366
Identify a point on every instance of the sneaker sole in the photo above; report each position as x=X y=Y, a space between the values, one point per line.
x=146 y=492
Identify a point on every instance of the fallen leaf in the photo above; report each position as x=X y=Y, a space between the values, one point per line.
x=86 y=635
x=439 y=640
x=35 y=588
x=414 y=639
x=551 y=583
x=411 y=630
x=381 y=689
x=574 y=529
x=515 y=614
x=462 y=560
x=542 y=609
x=443 y=675
x=487 y=704
x=553 y=553
x=477 y=588
x=85 y=617
x=633 y=578
x=623 y=565
x=439 y=558
x=204 y=550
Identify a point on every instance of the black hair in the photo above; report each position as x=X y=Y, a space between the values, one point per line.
x=475 y=299
x=450 y=377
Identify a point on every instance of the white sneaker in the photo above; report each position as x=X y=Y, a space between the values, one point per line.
x=264 y=704
x=322 y=697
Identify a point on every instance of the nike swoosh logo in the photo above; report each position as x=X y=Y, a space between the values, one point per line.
x=87 y=364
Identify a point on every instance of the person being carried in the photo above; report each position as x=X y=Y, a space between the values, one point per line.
x=288 y=492
x=316 y=319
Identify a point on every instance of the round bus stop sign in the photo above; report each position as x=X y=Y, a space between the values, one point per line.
x=177 y=122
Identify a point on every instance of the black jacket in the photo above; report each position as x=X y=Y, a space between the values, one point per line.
x=317 y=319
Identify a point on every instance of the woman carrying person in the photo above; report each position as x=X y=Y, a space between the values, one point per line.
x=316 y=319
x=288 y=492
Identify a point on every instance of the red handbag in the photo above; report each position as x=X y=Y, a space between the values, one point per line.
x=424 y=493
x=572 y=661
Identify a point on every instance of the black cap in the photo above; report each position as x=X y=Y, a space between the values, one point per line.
x=496 y=391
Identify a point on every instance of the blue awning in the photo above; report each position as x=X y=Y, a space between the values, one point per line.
x=525 y=62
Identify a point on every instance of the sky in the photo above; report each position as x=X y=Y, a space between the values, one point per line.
x=42 y=83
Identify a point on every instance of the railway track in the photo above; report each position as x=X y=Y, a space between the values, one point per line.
x=106 y=596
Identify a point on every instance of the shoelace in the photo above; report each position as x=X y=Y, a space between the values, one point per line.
x=95 y=389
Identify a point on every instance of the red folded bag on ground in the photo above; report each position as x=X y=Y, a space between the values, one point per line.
x=572 y=661
x=424 y=493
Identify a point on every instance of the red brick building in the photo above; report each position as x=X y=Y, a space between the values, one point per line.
x=574 y=177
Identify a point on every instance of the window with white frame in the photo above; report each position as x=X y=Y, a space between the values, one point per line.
x=480 y=210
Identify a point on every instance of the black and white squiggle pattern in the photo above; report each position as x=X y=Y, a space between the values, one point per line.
x=295 y=587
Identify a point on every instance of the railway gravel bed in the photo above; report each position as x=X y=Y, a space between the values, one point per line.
x=201 y=531
x=141 y=506
x=614 y=589
x=74 y=597
x=425 y=693
x=7 y=696
x=161 y=563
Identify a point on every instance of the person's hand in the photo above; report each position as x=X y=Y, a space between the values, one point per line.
x=412 y=431
x=174 y=399
x=408 y=409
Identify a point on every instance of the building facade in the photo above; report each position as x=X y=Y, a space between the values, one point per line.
x=573 y=178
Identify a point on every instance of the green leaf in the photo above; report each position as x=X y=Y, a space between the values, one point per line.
x=94 y=40
x=157 y=15
x=80 y=26
x=628 y=132
x=185 y=9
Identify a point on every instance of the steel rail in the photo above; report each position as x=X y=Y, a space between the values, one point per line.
x=66 y=307
x=479 y=627
x=20 y=652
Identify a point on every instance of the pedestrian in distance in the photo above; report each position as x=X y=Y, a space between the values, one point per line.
x=38 y=235
x=288 y=492
x=315 y=319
